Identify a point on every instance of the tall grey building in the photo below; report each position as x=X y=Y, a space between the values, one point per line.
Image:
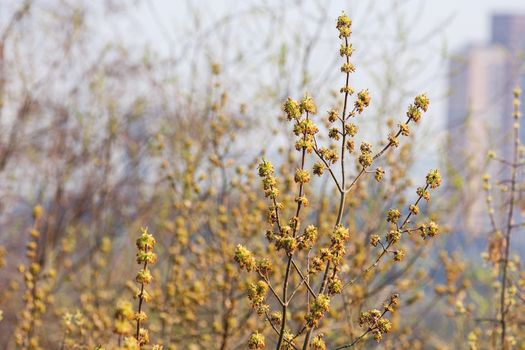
x=481 y=80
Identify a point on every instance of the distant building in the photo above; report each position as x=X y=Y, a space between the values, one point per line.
x=481 y=80
x=508 y=31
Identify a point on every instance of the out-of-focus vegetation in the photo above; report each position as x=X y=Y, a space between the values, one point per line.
x=132 y=196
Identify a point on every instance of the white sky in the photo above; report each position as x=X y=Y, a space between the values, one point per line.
x=467 y=22
x=469 y=19
x=163 y=23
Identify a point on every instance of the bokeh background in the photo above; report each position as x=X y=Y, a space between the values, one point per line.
x=121 y=114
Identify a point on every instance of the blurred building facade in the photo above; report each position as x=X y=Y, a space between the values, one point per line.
x=481 y=80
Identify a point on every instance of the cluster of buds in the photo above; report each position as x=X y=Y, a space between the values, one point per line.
x=263 y=266
x=318 y=168
x=32 y=246
x=374 y=322
x=393 y=140
x=266 y=171
x=344 y=24
x=124 y=314
x=288 y=341
x=363 y=97
x=414 y=209
x=393 y=216
x=145 y=256
x=375 y=240
x=276 y=318
x=414 y=113
x=307 y=105
x=423 y=193
x=244 y=257
x=38 y=286
x=420 y=105
x=334 y=254
x=404 y=129
x=429 y=230
x=318 y=308
x=318 y=343
x=308 y=238
x=363 y=101
x=328 y=154
x=304 y=127
x=256 y=341
x=399 y=255
x=486 y=182
x=378 y=174
x=302 y=176
x=73 y=324
x=294 y=110
x=351 y=129
x=335 y=285
x=516 y=103
x=318 y=261
x=286 y=241
x=366 y=158
x=257 y=296
x=269 y=182
x=393 y=236
x=256 y=291
x=433 y=179
x=339 y=236
x=392 y=304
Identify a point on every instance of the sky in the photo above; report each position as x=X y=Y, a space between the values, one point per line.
x=163 y=24
x=462 y=22
x=469 y=24
x=471 y=18
x=455 y=24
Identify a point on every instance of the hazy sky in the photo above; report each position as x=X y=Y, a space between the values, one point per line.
x=457 y=23
x=471 y=18
x=469 y=24
x=467 y=21
x=164 y=24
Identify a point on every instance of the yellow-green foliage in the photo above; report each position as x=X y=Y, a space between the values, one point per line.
x=320 y=243
x=317 y=243
x=313 y=262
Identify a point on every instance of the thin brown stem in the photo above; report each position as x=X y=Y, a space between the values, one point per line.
x=358 y=339
x=141 y=301
x=503 y=311
x=384 y=248
x=304 y=278
x=342 y=193
x=289 y=263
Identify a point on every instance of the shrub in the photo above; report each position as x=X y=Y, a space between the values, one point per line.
x=317 y=257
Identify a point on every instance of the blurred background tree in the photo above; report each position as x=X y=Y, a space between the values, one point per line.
x=116 y=116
